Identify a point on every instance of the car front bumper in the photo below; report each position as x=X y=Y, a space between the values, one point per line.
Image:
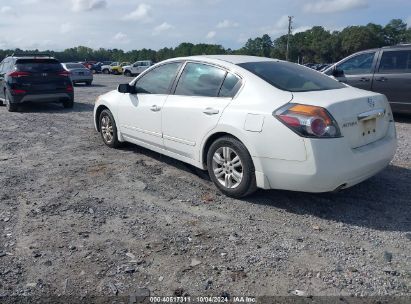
x=330 y=165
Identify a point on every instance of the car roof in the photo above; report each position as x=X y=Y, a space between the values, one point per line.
x=233 y=59
x=228 y=61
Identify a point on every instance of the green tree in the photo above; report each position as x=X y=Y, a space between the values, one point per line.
x=395 y=32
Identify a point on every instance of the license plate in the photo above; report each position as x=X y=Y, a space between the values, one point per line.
x=369 y=127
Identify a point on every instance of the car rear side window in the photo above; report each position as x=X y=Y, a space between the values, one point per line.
x=200 y=80
x=230 y=86
x=395 y=62
x=291 y=77
x=38 y=65
x=158 y=80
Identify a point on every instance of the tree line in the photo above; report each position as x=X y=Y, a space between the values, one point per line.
x=316 y=45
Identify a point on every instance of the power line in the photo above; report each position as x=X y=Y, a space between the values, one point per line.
x=290 y=28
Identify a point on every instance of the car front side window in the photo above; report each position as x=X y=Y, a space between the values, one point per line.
x=359 y=64
x=200 y=80
x=158 y=80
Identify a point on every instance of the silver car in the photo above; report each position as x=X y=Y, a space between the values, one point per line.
x=79 y=73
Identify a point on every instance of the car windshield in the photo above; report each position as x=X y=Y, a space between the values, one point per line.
x=291 y=77
x=75 y=66
x=38 y=65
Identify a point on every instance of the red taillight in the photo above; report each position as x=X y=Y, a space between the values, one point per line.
x=308 y=121
x=69 y=88
x=17 y=92
x=291 y=121
x=64 y=73
x=17 y=74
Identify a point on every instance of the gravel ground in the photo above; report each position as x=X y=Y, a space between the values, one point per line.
x=80 y=219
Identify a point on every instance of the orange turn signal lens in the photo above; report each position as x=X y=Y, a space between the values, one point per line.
x=307 y=110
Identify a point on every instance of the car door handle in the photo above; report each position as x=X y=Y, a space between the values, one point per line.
x=155 y=108
x=364 y=79
x=211 y=111
x=382 y=79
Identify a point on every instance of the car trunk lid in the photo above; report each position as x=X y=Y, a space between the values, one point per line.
x=363 y=117
x=42 y=76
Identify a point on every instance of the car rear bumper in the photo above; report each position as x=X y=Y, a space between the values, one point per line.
x=42 y=98
x=330 y=165
x=81 y=78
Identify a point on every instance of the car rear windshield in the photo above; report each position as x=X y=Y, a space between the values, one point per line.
x=38 y=65
x=291 y=77
x=75 y=66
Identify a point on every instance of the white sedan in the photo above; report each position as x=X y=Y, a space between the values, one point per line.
x=253 y=122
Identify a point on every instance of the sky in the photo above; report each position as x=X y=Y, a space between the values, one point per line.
x=137 y=24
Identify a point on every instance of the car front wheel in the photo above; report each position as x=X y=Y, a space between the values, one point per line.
x=231 y=168
x=108 y=129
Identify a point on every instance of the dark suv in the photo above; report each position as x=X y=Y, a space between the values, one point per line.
x=386 y=70
x=34 y=78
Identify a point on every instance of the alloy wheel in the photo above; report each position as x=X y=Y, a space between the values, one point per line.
x=227 y=167
x=107 y=129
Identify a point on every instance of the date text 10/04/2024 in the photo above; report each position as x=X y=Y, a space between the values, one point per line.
x=189 y=299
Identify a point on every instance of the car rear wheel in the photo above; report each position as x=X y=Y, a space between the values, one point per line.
x=88 y=83
x=127 y=73
x=106 y=71
x=231 y=168
x=68 y=104
x=108 y=129
x=11 y=107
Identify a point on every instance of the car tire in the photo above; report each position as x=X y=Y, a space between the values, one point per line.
x=108 y=129
x=68 y=104
x=128 y=73
x=106 y=71
x=88 y=83
x=231 y=167
x=11 y=107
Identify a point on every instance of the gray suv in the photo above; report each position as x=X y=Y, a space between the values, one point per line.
x=386 y=70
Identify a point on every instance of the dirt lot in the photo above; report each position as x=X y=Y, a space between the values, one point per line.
x=78 y=218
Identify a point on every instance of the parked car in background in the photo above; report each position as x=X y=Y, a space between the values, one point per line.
x=115 y=68
x=79 y=73
x=137 y=67
x=34 y=78
x=106 y=68
x=88 y=64
x=386 y=70
x=96 y=68
x=253 y=122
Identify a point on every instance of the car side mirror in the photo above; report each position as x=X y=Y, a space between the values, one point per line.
x=337 y=72
x=126 y=88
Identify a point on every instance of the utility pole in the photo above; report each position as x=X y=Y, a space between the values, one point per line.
x=290 y=27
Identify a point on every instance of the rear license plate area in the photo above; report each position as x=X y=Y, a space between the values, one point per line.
x=369 y=127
